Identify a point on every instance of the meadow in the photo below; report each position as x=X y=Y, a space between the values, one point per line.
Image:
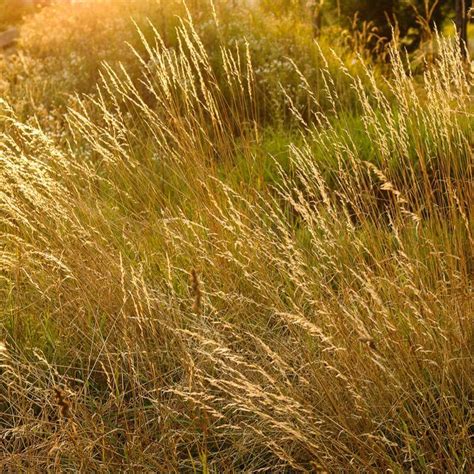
x=226 y=246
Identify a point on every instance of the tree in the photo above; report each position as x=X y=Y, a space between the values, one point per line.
x=380 y=13
x=462 y=9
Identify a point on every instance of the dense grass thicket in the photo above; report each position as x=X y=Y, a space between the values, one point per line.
x=225 y=247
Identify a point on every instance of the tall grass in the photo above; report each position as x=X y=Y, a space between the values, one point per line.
x=160 y=316
x=63 y=47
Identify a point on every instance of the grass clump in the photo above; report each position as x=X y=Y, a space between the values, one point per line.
x=185 y=287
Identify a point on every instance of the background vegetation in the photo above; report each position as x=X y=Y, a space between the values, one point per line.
x=236 y=238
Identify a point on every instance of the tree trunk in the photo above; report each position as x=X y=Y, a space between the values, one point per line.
x=461 y=25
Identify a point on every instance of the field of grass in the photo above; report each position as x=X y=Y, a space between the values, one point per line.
x=225 y=247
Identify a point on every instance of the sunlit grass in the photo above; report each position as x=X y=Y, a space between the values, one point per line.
x=192 y=282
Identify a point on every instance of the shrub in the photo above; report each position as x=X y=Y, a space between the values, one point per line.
x=63 y=49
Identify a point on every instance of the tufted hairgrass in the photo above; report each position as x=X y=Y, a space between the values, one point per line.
x=184 y=288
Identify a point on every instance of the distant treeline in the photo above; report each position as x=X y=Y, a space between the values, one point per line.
x=411 y=20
